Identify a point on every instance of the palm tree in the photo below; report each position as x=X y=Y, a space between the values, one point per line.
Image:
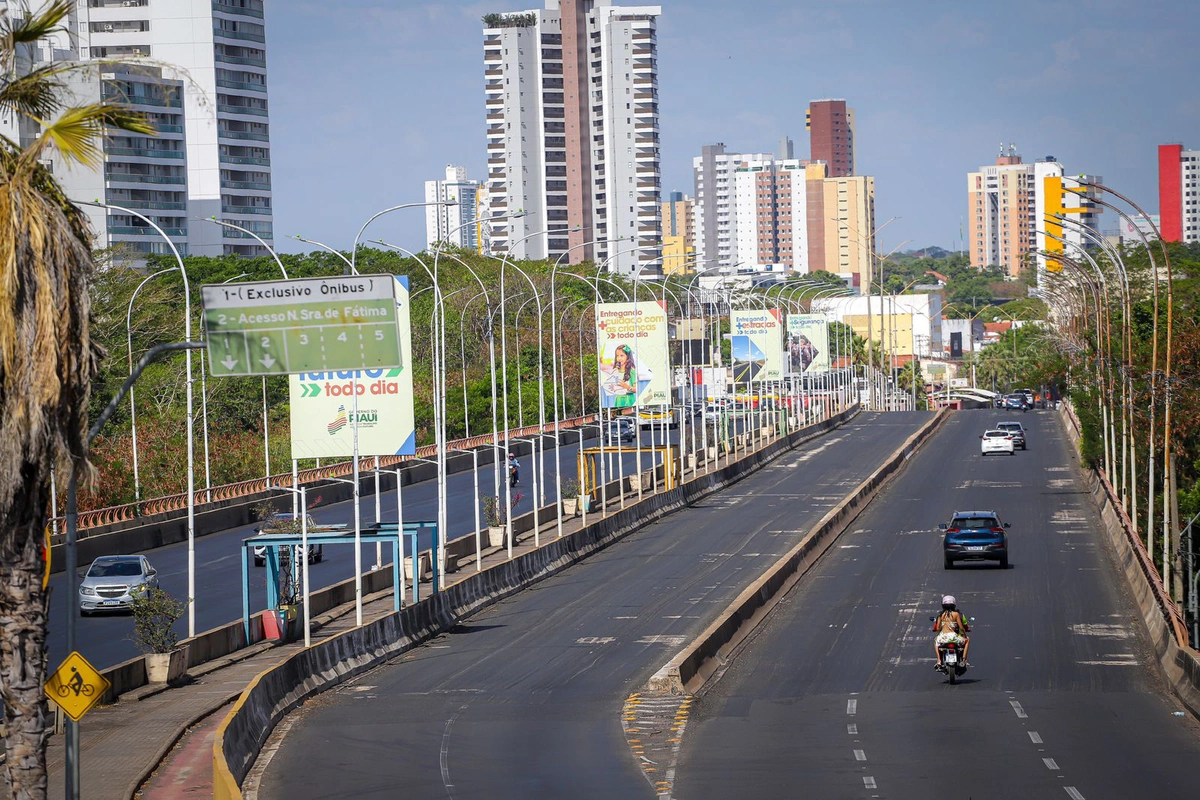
x=46 y=357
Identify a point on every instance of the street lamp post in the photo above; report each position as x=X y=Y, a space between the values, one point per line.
x=137 y=488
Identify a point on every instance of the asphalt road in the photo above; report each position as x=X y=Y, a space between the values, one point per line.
x=836 y=696
x=524 y=700
x=106 y=640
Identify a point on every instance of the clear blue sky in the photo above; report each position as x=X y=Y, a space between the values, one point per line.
x=371 y=100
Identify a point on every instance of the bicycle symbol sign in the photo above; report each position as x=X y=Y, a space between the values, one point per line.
x=76 y=686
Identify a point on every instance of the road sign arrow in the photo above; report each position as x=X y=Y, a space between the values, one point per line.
x=267 y=361
x=311 y=390
x=230 y=362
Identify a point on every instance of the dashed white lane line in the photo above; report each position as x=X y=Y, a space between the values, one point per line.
x=1035 y=737
x=860 y=755
x=1016 y=707
x=1073 y=793
x=851 y=707
x=1050 y=764
x=852 y=730
x=869 y=782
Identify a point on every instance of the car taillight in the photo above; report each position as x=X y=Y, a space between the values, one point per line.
x=997 y=530
x=952 y=530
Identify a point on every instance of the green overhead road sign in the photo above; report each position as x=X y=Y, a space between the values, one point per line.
x=304 y=325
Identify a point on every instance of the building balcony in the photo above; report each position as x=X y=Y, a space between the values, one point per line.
x=129 y=177
x=242 y=35
x=244 y=135
x=248 y=10
x=242 y=86
x=241 y=60
x=262 y=162
x=226 y=209
x=115 y=230
x=148 y=205
x=143 y=153
x=262 y=187
x=495 y=116
x=225 y=108
x=142 y=100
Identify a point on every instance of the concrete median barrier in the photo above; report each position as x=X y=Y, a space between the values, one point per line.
x=275 y=692
x=699 y=660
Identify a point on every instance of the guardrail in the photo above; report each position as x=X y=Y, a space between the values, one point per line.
x=100 y=517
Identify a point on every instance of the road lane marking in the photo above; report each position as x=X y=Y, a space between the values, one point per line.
x=852 y=729
x=860 y=755
x=1035 y=737
x=869 y=782
x=1073 y=793
x=1050 y=764
x=1017 y=708
x=595 y=640
x=444 y=755
x=851 y=707
x=1103 y=630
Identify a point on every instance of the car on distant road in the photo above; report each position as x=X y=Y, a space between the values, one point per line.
x=285 y=522
x=620 y=430
x=1030 y=397
x=974 y=536
x=655 y=416
x=1016 y=401
x=996 y=441
x=1018 y=433
x=113 y=582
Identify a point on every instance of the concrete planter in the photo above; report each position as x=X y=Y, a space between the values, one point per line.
x=424 y=563
x=570 y=506
x=496 y=536
x=167 y=667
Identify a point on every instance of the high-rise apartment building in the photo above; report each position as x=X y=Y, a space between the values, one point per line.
x=213 y=155
x=455 y=220
x=772 y=214
x=1000 y=210
x=572 y=128
x=679 y=242
x=847 y=214
x=830 y=126
x=1178 y=193
x=1071 y=196
x=716 y=206
x=1008 y=211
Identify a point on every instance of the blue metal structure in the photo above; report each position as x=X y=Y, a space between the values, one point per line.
x=385 y=533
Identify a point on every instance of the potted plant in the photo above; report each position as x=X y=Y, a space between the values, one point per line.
x=154 y=616
x=493 y=515
x=572 y=501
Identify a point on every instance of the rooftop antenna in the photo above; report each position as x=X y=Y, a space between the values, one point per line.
x=1001 y=153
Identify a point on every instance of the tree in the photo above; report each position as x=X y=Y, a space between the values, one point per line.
x=46 y=357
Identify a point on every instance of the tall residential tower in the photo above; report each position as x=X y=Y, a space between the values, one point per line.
x=572 y=130
x=831 y=135
x=1178 y=198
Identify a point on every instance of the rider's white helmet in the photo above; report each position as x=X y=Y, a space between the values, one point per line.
x=949 y=600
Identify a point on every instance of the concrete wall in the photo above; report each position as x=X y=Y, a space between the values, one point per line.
x=278 y=690
x=1179 y=662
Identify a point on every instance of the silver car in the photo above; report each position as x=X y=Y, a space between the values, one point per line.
x=112 y=583
x=283 y=522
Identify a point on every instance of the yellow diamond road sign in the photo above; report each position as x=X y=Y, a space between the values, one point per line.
x=76 y=686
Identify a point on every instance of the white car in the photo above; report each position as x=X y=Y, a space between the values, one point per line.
x=997 y=441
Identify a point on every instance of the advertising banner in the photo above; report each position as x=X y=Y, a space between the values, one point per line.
x=322 y=404
x=756 y=345
x=808 y=343
x=635 y=367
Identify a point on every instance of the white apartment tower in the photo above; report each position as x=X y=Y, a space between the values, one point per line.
x=213 y=154
x=716 y=222
x=455 y=220
x=573 y=138
x=771 y=209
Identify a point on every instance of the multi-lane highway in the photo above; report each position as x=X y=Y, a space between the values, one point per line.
x=106 y=640
x=836 y=697
x=524 y=699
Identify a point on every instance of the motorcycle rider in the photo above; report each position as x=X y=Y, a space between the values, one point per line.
x=950 y=625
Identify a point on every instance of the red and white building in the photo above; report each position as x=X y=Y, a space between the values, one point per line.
x=1178 y=195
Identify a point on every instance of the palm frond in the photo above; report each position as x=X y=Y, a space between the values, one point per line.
x=34 y=26
x=35 y=94
x=77 y=132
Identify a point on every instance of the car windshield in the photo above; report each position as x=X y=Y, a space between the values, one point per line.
x=115 y=569
x=1010 y=426
x=975 y=522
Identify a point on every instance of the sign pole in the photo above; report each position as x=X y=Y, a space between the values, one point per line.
x=304 y=556
x=358 y=611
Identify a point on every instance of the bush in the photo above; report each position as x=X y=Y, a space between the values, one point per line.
x=154 y=616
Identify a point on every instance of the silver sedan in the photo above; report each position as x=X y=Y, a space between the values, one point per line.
x=112 y=583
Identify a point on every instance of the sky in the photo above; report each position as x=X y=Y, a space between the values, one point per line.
x=370 y=98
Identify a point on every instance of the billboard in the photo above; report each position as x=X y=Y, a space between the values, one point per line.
x=808 y=343
x=322 y=404
x=634 y=365
x=756 y=344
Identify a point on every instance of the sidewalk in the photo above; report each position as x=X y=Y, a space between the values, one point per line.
x=122 y=744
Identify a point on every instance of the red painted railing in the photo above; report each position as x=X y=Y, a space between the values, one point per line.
x=160 y=505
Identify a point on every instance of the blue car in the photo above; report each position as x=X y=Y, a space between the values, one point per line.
x=1016 y=401
x=975 y=536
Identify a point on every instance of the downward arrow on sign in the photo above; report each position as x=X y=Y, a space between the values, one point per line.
x=267 y=361
x=230 y=362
